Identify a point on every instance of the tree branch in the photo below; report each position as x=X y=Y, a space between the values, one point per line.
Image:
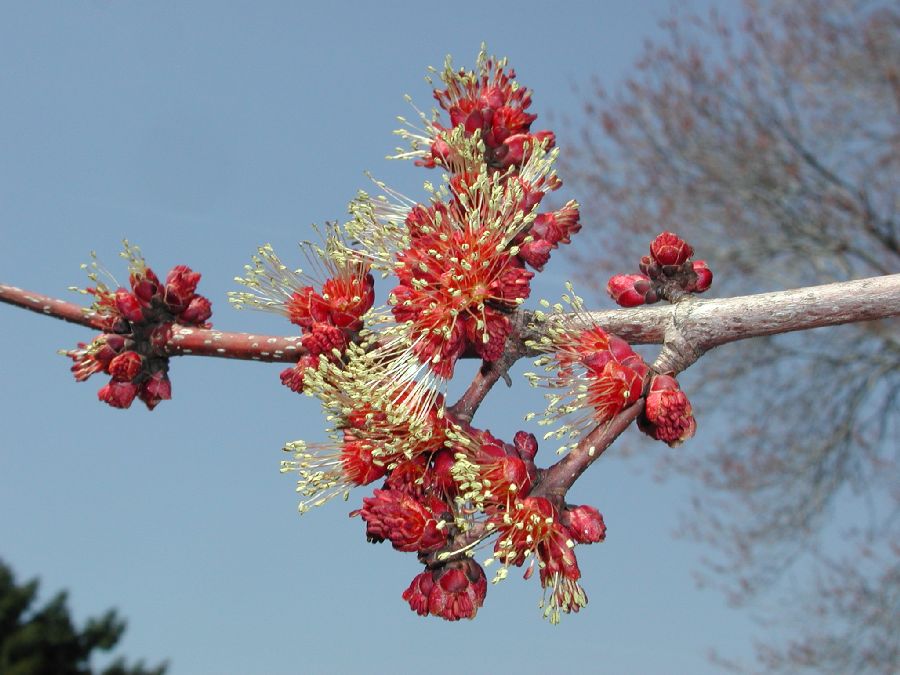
x=702 y=324
x=487 y=376
x=44 y=304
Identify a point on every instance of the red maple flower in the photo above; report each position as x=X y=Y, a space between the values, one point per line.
x=532 y=529
x=118 y=394
x=408 y=523
x=490 y=474
x=599 y=375
x=454 y=591
x=457 y=287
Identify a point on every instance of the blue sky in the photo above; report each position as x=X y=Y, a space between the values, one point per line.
x=200 y=131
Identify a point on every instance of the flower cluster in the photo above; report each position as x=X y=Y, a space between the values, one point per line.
x=462 y=261
x=592 y=375
x=461 y=258
x=328 y=307
x=136 y=324
x=489 y=102
x=668 y=267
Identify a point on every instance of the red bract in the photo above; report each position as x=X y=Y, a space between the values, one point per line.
x=704 y=277
x=444 y=483
x=585 y=523
x=667 y=415
x=453 y=592
x=118 y=394
x=306 y=307
x=155 y=389
x=526 y=445
x=197 y=312
x=548 y=231
x=129 y=307
x=181 y=283
x=410 y=525
x=144 y=283
x=126 y=366
x=669 y=249
x=412 y=476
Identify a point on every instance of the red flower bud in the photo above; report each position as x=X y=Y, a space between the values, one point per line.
x=418 y=593
x=157 y=388
x=108 y=345
x=536 y=253
x=526 y=445
x=412 y=477
x=452 y=592
x=631 y=290
x=585 y=523
x=292 y=378
x=669 y=249
x=198 y=311
x=323 y=338
x=704 y=277
x=126 y=366
x=145 y=285
x=667 y=415
x=404 y=521
x=181 y=284
x=118 y=394
x=129 y=306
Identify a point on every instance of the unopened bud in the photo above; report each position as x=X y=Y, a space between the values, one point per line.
x=118 y=394
x=145 y=285
x=181 y=284
x=526 y=445
x=126 y=366
x=129 y=306
x=198 y=311
x=704 y=277
x=585 y=523
x=669 y=249
x=667 y=415
x=631 y=290
x=157 y=388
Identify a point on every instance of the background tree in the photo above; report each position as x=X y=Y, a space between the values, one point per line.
x=44 y=640
x=776 y=141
